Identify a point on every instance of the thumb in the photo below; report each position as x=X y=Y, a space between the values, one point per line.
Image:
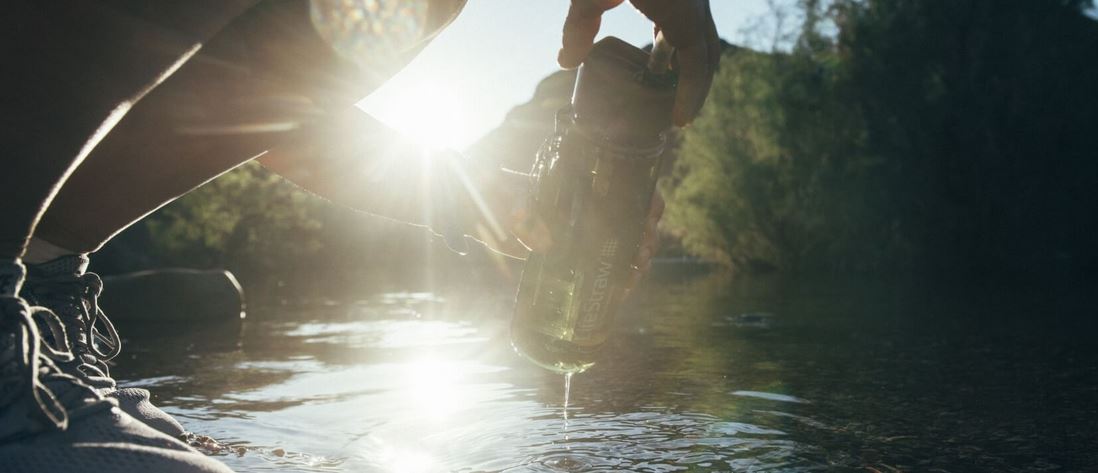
x=580 y=27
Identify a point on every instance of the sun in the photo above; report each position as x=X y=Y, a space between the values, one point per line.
x=430 y=112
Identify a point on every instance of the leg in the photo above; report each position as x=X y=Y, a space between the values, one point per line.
x=262 y=76
x=195 y=125
x=73 y=70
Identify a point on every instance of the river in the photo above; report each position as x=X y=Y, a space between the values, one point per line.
x=704 y=373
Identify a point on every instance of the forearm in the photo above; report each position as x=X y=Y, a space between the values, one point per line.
x=353 y=160
x=302 y=92
x=300 y=100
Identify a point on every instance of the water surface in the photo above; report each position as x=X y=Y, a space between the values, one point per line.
x=704 y=374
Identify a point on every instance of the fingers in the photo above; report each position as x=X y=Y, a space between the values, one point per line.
x=689 y=27
x=637 y=275
x=642 y=266
x=694 y=82
x=658 y=206
x=531 y=231
x=650 y=244
x=580 y=28
x=651 y=241
x=714 y=42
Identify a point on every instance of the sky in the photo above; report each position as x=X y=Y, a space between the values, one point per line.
x=491 y=58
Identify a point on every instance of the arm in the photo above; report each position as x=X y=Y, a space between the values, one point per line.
x=332 y=148
x=266 y=80
x=353 y=160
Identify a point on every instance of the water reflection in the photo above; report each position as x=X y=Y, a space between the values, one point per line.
x=703 y=375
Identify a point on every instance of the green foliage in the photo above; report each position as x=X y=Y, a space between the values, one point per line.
x=982 y=109
x=774 y=173
x=923 y=135
x=247 y=216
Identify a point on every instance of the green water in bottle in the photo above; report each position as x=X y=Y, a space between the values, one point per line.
x=592 y=186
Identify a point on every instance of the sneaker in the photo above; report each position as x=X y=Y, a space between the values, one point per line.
x=51 y=421
x=64 y=286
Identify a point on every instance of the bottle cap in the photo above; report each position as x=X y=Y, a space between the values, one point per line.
x=617 y=98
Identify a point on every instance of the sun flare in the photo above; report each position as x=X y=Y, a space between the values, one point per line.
x=432 y=113
x=435 y=387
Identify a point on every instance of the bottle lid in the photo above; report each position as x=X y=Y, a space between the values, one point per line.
x=618 y=99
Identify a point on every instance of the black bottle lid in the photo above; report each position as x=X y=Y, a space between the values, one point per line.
x=617 y=99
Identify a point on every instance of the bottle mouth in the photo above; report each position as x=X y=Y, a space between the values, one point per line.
x=618 y=98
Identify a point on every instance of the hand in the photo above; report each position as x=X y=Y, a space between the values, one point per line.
x=687 y=25
x=650 y=244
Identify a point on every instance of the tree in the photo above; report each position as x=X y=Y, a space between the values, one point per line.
x=934 y=136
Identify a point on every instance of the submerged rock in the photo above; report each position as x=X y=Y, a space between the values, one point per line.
x=173 y=294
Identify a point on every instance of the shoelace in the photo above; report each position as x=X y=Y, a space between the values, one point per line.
x=27 y=361
x=90 y=344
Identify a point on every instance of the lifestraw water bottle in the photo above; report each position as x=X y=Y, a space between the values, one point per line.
x=592 y=185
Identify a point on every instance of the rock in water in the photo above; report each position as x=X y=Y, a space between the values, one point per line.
x=173 y=294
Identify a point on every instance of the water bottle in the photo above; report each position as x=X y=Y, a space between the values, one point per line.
x=592 y=185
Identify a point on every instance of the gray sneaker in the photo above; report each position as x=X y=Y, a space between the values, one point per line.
x=64 y=286
x=52 y=422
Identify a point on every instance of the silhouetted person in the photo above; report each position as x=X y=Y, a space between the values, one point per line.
x=114 y=108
